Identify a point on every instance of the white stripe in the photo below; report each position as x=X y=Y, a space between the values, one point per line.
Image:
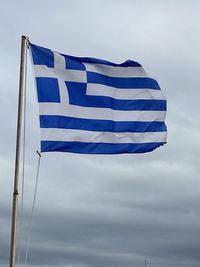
x=64 y=97
x=49 y=134
x=132 y=94
x=116 y=71
x=65 y=75
x=59 y=61
x=99 y=113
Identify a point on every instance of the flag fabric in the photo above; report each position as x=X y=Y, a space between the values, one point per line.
x=93 y=106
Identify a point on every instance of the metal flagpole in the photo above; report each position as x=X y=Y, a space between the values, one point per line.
x=24 y=41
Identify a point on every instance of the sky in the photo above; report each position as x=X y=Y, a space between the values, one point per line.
x=106 y=210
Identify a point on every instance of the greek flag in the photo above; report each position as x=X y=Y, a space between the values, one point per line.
x=94 y=106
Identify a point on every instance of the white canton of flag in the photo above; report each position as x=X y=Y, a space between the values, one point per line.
x=93 y=106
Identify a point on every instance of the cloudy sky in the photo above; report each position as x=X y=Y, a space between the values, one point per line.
x=94 y=211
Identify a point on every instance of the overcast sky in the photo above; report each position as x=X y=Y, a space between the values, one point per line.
x=94 y=211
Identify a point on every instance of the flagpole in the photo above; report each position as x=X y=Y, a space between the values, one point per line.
x=24 y=41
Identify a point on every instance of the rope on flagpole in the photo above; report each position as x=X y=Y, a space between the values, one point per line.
x=20 y=209
x=33 y=208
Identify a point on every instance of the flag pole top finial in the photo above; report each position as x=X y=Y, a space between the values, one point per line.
x=26 y=38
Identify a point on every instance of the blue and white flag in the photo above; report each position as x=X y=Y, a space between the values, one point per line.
x=93 y=106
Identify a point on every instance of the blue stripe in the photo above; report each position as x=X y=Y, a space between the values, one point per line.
x=127 y=63
x=42 y=56
x=93 y=77
x=48 y=89
x=74 y=64
x=40 y=53
x=62 y=122
x=78 y=96
x=97 y=148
